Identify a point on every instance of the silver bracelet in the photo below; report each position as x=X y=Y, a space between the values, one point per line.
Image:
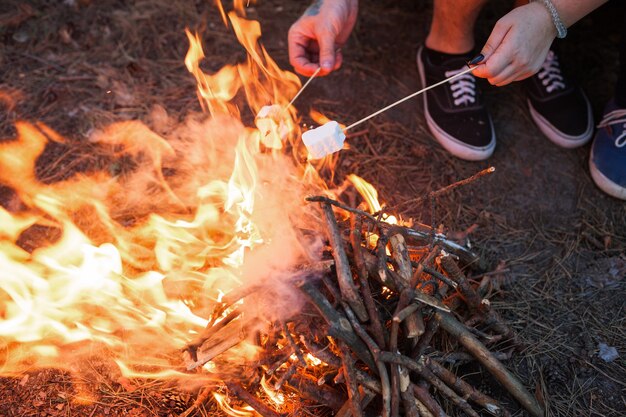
x=561 y=30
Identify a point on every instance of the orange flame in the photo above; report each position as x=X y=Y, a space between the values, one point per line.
x=132 y=266
x=143 y=257
x=276 y=397
x=233 y=411
x=370 y=195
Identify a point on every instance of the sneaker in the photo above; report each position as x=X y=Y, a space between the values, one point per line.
x=560 y=109
x=455 y=113
x=607 y=162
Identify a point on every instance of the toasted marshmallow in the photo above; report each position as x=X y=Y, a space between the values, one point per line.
x=271 y=125
x=324 y=140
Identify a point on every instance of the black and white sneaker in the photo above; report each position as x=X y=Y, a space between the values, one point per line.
x=455 y=113
x=560 y=109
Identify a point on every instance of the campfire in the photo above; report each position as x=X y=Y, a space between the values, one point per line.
x=217 y=257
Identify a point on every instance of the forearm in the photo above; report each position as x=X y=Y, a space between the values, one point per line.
x=316 y=5
x=571 y=11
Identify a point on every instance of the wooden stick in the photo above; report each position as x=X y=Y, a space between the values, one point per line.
x=420 y=233
x=473 y=300
x=406 y=393
x=209 y=331
x=293 y=344
x=400 y=254
x=427 y=234
x=410 y=96
x=461 y=357
x=346 y=410
x=422 y=370
x=422 y=394
x=480 y=352
x=203 y=396
x=441 y=277
x=291 y=370
x=274 y=366
x=422 y=344
x=240 y=392
x=381 y=256
x=423 y=263
x=317 y=71
x=344 y=277
x=413 y=323
x=323 y=353
x=478 y=306
x=232 y=334
x=339 y=326
x=356 y=225
x=437 y=193
x=351 y=384
x=324 y=395
x=464 y=389
x=382 y=370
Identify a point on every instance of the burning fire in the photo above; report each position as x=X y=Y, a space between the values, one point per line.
x=131 y=266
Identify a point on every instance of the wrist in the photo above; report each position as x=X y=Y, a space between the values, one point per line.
x=543 y=14
x=559 y=26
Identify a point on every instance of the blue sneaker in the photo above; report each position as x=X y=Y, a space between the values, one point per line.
x=608 y=152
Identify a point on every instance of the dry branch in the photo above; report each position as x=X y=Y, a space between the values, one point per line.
x=240 y=392
x=508 y=380
x=344 y=277
x=371 y=337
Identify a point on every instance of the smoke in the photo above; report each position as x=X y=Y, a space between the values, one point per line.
x=142 y=256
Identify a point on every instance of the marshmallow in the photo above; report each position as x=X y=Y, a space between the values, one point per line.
x=270 y=123
x=324 y=140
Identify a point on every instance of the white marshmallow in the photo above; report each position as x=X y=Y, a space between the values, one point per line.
x=324 y=140
x=270 y=123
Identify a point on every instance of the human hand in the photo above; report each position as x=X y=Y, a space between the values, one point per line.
x=518 y=45
x=314 y=39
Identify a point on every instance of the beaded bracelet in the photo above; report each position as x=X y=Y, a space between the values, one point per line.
x=561 y=30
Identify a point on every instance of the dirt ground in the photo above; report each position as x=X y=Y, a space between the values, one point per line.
x=560 y=242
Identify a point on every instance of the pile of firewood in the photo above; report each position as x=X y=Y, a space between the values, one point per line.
x=385 y=314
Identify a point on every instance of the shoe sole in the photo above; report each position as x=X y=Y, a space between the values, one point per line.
x=556 y=136
x=454 y=146
x=605 y=184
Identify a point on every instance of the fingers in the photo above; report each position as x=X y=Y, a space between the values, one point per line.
x=307 y=52
x=496 y=60
x=327 y=52
x=338 y=59
x=505 y=77
x=496 y=37
x=299 y=56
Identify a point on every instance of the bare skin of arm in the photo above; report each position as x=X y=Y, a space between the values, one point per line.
x=315 y=39
x=520 y=40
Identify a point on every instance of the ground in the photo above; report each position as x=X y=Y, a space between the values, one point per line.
x=560 y=242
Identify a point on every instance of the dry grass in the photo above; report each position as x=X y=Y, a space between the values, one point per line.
x=79 y=68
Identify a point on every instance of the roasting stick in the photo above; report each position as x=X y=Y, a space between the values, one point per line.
x=270 y=119
x=329 y=138
x=317 y=71
x=410 y=96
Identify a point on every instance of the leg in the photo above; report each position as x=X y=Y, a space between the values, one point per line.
x=620 y=86
x=455 y=113
x=452 y=28
x=607 y=161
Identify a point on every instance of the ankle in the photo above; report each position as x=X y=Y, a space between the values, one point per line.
x=447 y=44
x=445 y=59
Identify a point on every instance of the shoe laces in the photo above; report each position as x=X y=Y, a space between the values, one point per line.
x=613 y=118
x=463 y=87
x=550 y=73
